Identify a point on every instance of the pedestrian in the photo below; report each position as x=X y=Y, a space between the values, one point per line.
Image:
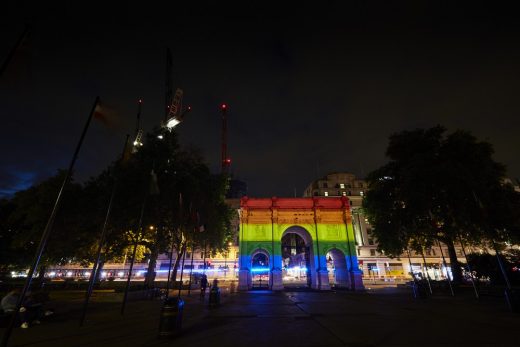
x=203 y=285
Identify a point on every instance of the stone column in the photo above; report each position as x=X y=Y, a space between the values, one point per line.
x=356 y=276
x=244 y=280
x=276 y=278
x=323 y=282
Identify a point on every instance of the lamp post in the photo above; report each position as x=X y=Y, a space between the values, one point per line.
x=225 y=259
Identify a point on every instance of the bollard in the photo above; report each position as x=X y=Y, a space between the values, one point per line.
x=214 y=296
x=171 y=317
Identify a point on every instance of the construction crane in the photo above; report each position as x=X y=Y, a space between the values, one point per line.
x=226 y=162
x=138 y=142
x=176 y=112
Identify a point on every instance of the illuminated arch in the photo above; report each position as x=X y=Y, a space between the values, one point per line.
x=323 y=223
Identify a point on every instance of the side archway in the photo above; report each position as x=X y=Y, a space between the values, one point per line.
x=260 y=269
x=337 y=268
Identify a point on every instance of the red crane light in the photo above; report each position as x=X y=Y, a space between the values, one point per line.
x=223 y=106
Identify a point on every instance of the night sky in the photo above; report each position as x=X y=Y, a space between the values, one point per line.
x=311 y=89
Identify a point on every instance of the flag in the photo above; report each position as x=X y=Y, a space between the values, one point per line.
x=106 y=114
x=154 y=187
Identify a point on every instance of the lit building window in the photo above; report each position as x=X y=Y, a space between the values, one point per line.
x=326 y=193
x=342 y=185
x=361 y=193
x=344 y=193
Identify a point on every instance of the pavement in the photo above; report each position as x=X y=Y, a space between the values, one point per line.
x=380 y=316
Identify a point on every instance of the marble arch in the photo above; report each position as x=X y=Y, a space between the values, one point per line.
x=324 y=223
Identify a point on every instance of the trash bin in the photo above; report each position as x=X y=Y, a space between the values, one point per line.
x=422 y=289
x=214 y=296
x=171 y=317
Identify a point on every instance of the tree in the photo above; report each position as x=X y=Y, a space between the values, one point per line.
x=152 y=180
x=485 y=265
x=29 y=212
x=157 y=176
x=7 y=253
x=440 y=187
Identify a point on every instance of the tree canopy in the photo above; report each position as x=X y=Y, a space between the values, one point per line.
x=440 y=187
x=175 y=186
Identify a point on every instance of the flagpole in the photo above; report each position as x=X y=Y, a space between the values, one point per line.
x=204 y=258
x=170 y=268
x=47 y=230
x=17 y=45
x=511 y=302
x=469 y=267
x=95 y=269
x=414 y=285
x=182 y=268
x=168 y=84
x=191 y=266
x=426 y=270
x=446 y=268
x=133 y=255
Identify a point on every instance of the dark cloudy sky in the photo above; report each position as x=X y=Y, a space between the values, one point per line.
x=311 y=88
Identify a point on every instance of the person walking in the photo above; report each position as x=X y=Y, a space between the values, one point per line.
x=203 y=285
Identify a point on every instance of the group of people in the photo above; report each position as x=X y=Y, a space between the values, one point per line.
x=31 y=310
x=204 y=284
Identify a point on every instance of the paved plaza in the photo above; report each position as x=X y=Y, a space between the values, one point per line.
x=381 y=316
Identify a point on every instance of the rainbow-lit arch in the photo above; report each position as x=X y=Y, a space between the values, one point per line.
x=325 y=224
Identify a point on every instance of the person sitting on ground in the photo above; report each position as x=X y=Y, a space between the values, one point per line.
x=9 y=301
x=31 y=310
x=9 y=306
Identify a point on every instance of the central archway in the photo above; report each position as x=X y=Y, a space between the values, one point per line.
x=297 y=258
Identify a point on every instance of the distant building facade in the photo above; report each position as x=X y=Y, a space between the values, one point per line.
x=374 y=264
